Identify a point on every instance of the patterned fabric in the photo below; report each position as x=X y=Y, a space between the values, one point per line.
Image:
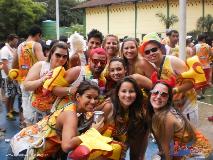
x=183 y=101
x=10 y=87
x=42 y=138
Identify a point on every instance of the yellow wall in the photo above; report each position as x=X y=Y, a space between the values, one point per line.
x=122 y=20
x=147 y=20
x=96 y=18
x=122 y=17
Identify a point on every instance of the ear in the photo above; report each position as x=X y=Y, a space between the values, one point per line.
x=77 y=96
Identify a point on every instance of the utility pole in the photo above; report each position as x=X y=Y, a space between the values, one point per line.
x=182 y=29
x=57 y=19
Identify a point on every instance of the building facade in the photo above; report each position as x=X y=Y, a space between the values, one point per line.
x=135 y=18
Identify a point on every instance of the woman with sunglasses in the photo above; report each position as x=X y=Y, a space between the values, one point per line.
x=184 y=93
x=175 y=136
x=135 y=63
x=41 y=71
x=125 y=118
x=57 y=132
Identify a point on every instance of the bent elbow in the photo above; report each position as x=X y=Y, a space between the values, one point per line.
x=67 y=147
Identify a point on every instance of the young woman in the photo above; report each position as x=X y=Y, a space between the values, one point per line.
x=58 y=131
x=135 y=63
x=117 y=70
x=125 y=117
x=175 y=136
x=41 y=71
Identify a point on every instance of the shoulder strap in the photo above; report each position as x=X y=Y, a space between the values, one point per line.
x=161 y=67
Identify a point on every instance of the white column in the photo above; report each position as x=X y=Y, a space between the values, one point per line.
x=57 y=19
x=182 y=29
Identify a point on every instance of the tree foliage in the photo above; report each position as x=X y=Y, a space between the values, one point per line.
x=16 y=16
x=205 y=24
x=168 y=21
x=67 y=15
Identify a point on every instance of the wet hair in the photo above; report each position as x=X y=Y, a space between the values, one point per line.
x=136 y=114
x=159 y=118
x=62 y=45
x=11 y=37
x=34 y=30
x=87 y=85
x=95 y=34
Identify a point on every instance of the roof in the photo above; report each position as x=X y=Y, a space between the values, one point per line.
x=94 y=3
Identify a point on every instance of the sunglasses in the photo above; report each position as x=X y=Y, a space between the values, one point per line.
x=96 y=61
x=57 y=55
x=156 y=93
x=153 y=50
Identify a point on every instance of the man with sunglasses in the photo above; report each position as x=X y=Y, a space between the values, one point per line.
x=168 y=66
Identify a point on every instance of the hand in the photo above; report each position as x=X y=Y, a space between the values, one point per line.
x=99 y=125
x=46 y=76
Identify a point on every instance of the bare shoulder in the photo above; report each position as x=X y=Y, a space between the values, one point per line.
x=72 y=73
x=178 y=64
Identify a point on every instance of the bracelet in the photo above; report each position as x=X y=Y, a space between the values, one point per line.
x=69 y=91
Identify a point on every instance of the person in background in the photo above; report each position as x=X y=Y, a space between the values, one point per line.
x=9 y=87
x=176 y=137
x=172 y=48
x=29 y=52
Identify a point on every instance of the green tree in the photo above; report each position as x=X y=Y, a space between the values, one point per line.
x=16 y=16
x=205 y=24
x=66 y=14
x=168 y=21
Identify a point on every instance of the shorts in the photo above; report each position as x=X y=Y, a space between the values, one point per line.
x=10 y=88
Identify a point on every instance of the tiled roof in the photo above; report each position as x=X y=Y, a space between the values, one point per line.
x=94 y=3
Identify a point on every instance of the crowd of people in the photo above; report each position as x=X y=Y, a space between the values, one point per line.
x=141 y=89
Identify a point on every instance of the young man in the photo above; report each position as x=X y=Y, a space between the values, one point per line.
x=29 y=52
x=172 y=48
x=10 y=87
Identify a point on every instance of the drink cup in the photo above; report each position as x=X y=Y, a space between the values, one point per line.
x=98 y=115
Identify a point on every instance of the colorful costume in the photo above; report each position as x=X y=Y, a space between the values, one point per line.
x=41 y=140
x=183 y=146
x=186 y=101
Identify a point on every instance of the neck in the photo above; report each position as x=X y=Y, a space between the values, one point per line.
x=172 y=45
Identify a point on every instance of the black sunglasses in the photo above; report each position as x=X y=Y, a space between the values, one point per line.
x=153 y=50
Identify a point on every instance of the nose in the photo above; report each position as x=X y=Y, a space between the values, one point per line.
x=92 y=101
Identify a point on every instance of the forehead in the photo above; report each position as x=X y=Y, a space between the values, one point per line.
x=111 y=39
x=60 y=50
x=174 y=34
x=161 y=87
x=94 y=39
x=129 y=43
x=151 y=45
x=98 y=56
x=91 y=91
x=115 y=64
x=126 y=85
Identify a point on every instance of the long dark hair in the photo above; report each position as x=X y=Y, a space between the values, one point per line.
x=158 y=120
x=136 y=112
x=122 y=46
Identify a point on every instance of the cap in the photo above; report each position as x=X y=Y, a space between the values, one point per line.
x=150 y=37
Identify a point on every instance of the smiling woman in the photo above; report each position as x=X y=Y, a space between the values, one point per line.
x=36 y=76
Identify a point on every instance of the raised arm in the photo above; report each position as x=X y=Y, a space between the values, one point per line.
x=142 y=81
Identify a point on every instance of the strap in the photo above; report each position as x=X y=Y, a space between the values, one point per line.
x=161 y=67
